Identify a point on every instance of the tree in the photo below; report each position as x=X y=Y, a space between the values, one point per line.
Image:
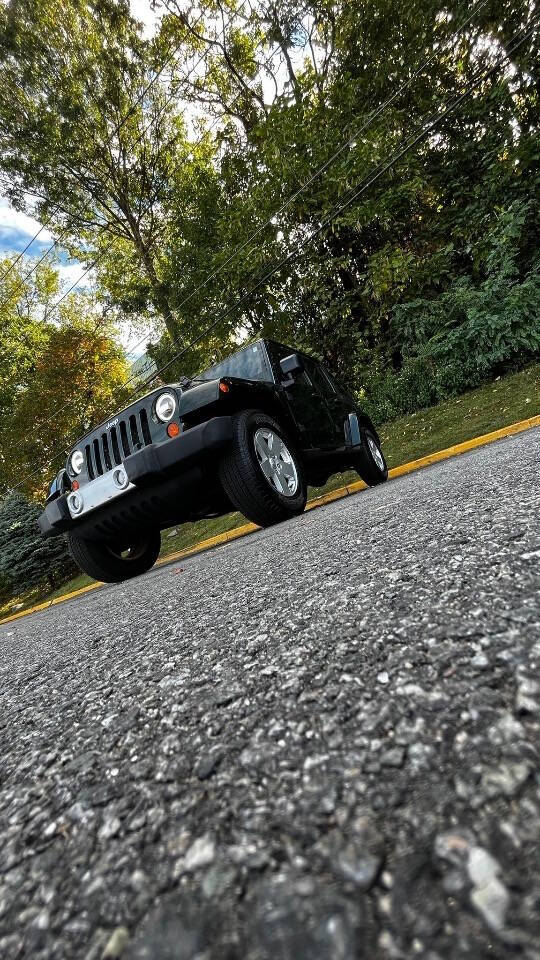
x=21 y=334
x=280 y=88
x=83 y=130
x=411 y=233
x=58 y=375
x=28 y=560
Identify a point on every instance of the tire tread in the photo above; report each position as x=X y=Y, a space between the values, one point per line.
x=93 y=560
x=245 y=485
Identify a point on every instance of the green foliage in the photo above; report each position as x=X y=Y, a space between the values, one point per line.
x=27 y=560
x=416 y=248
x=83 y=130
x=57 y=375
x=425 y=284
x=472 y=332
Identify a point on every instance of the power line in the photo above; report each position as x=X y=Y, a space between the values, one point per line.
x=340 y=208
x=143 y=132
x=348 y=143
x=22 y=253
x=426 y=129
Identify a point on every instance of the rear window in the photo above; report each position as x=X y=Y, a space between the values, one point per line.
x=249 y=363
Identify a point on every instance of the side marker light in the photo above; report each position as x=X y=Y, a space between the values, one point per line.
x=224 y=387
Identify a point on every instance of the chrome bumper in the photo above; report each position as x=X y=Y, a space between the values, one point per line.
x=95 y=494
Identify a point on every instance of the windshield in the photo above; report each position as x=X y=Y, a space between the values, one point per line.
x=249 y=363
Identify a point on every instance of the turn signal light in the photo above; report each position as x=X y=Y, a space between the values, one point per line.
x=75 y=485
x=173 y=430
x=224 y=387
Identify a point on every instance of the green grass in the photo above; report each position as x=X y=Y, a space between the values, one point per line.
x=75 y=584
x=495 y=405
x=34 y=597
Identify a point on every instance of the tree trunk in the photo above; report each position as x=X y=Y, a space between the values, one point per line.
x=159 y=295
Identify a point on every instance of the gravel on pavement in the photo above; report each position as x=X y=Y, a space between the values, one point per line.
x=316 y=743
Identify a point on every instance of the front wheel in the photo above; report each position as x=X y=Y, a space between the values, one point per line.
x=261 y=473
x=113 y=563
x=369 y=460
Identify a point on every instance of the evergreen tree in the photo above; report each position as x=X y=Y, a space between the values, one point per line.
x=27 y=559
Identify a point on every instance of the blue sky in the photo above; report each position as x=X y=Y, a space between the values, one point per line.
x=17 y=229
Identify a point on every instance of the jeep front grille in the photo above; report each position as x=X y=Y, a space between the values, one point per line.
x=110 y=448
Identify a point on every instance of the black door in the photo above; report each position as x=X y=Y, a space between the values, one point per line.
x=339 y=403
x=306 y=403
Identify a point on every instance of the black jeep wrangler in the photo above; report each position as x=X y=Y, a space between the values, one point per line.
x=248 y=434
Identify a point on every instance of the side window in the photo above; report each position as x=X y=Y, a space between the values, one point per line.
x=336 y=387
x=332 y=383
x=321 y=383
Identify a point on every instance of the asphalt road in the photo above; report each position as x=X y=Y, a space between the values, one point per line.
x=317 y=743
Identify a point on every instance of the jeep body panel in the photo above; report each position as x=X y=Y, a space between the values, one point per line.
x=168 y=479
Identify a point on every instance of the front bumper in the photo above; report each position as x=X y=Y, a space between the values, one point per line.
x=153 y=466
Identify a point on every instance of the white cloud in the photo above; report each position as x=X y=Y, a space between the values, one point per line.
x=142 y=11
x=71 y=273
x=20 y=225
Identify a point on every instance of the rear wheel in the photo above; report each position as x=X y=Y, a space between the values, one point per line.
x=262 y=474
x=113 y=563
x=369 y=460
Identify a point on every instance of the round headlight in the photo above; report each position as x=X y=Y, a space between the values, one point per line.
x=77 y=460
x=165 y=407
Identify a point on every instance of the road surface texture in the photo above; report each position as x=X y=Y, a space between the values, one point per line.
x=317 y=743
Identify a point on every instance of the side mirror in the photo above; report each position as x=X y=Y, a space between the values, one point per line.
x=291 y=365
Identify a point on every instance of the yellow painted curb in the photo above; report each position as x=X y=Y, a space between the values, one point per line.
x=225 y=537
x=338 y=494
x=51 y=603
x=458 y=448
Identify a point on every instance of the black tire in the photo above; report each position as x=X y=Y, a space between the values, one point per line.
x=243 y=479
x=106 y=562
x=365 y=463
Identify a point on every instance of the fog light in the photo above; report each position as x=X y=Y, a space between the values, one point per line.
x=120 y=478
x=75 y=503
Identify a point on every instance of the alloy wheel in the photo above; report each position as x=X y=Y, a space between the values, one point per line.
x=276 y=461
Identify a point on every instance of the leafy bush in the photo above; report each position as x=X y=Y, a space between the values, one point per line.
x=27 y=560
x=470 y=333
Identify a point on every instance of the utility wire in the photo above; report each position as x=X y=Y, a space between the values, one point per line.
x=431 y=125
x=348 y=144
x=427 y=128
x=102 y=229
x=14 y=263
